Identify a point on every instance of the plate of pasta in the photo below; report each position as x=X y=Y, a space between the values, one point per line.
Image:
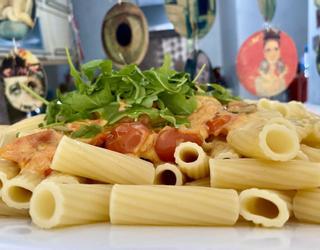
x=149 y=154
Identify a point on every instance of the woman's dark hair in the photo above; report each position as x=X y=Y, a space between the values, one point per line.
x=271 y=34
x=14 y=63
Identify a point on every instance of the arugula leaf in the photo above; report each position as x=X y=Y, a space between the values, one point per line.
x=86 y=131
x=221 y=94
x=106 y=67
x=90 y=68
x=80 y=85
x=134 y=113
x=108 y=111
x=179 y=104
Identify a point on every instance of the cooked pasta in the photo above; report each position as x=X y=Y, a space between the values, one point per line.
x=303 y=127
x=204 y=182
x=313 y=138
x=251 y=173
x=17 y=191
x=77 y=158
x=282 y=108
x=55 y=204
x=7 y=211
x=265 y=104
x=173 y=205
x=192 y=160
x=296 y=110
x=64 y=178
x=302 y=156
x=222 y=150
x=3 y=129
x=306 y=205
x=313 y=154
x=271 y=141
x=8 y=170
x=169 y=174
x=22 y=126
x=266 y=207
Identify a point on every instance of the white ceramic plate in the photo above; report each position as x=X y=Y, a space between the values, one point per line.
x=21 y=234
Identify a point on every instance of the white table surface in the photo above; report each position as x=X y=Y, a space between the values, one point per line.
x=21 y=234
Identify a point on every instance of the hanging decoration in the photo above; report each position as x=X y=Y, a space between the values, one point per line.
x=267 y=9
x=17 y=18
x=22 y=69
x=267 y=62
x=125 y=34
x=191 y=18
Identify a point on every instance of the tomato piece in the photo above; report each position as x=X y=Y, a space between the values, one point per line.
x=169 y=139
x=126 y=137
x=217 y=124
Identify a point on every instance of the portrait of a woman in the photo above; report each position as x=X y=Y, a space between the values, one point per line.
x=272 y=70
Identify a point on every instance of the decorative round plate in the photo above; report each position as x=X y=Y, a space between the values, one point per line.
x=16 y=18
x=267 y=62
x=125 y=34
x=191 y=18
x=22 y=67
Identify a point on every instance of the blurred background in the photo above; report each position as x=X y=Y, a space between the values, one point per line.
x=222 y=28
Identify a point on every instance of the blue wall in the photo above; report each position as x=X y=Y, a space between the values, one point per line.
x=89 y=15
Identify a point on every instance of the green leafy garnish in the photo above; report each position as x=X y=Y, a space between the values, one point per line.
x=163 y=94
x=220 y=93
x=86 y=131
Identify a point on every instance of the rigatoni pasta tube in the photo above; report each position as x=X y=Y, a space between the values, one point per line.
x=282 y=108
x=3 y=129
x=306 y=205
x=81 y=159
x=8 y=170
x=192 y=160
x=204 y=182
x=17 y=192
x=296 y=110
x=265 y=140
x=266 y=207
x=301 y=156
x=173 y=205
x=64 y=178
x=25 y=125
x=55 y=204
x=313 y=138
x=303 y=127
x=250 y=173
x=265 y=104
x=169 y=174
x=5 y=210
x=222 y=150
x=312 y=153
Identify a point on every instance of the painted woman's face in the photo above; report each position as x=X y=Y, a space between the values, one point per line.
x=271 y=51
